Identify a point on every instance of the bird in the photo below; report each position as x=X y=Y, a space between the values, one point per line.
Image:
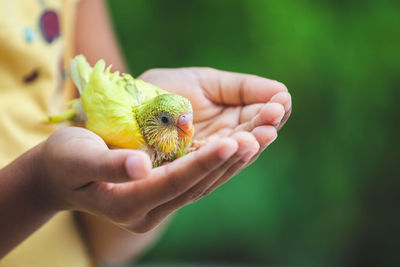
x=129 y=113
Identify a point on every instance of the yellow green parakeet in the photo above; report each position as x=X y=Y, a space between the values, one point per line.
x=130 y=113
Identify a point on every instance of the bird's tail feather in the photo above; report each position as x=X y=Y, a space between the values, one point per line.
x=68 y=115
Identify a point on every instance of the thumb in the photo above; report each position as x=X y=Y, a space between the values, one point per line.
x=118 y=166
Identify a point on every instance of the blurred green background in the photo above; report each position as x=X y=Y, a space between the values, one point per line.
x=326 y=192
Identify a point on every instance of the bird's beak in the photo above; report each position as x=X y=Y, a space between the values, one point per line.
x=185 y=125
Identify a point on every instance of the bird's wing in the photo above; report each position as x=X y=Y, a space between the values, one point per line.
x=138 y=91
x=108 y=107
x=141 y=91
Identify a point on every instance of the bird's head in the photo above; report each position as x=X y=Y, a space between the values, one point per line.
x=166 y=122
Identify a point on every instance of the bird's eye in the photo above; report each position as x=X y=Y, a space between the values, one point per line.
x=164 y=119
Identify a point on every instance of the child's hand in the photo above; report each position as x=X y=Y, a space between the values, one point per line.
x=226 y=103
x=238 y=113
x=80 y=173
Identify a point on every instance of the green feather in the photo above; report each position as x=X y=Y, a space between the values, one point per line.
x=163 y=139
x=126 y=112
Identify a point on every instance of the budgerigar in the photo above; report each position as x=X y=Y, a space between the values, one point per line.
x=130 y=113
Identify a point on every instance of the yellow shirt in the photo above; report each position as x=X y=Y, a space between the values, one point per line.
x=35 y=37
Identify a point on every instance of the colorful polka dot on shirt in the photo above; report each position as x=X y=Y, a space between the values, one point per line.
x=29 y=34
x=49 y=25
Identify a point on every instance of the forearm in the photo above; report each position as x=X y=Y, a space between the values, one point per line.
x=94 y=36
x=23 y=207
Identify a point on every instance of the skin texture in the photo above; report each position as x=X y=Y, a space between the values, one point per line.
x=116 y=191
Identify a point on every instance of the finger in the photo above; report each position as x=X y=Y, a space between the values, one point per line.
x=249 y=150
x=138 y=166
x=263 y=138
x=284 y=119
x=158 y=191
x=270 y=113
x=227 y=119
x=285 y=100
x=115 y=166
x=248 y=146
x=232 y=171
x=168 y=182
x=194 y=193
x=237 y=88
x=265 y=135
x=249 y=112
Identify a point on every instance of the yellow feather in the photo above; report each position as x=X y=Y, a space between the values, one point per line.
x=112 y=103
x=108 y=108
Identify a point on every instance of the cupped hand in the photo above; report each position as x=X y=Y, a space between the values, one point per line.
x=238 y=114
x=79 y=172
x=227 y=103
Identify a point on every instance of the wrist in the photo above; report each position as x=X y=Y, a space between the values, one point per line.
x=36 y=177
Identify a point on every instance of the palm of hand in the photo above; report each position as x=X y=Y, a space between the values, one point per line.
x=225 y=102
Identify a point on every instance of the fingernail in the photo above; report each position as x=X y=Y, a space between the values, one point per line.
x=136 y=167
